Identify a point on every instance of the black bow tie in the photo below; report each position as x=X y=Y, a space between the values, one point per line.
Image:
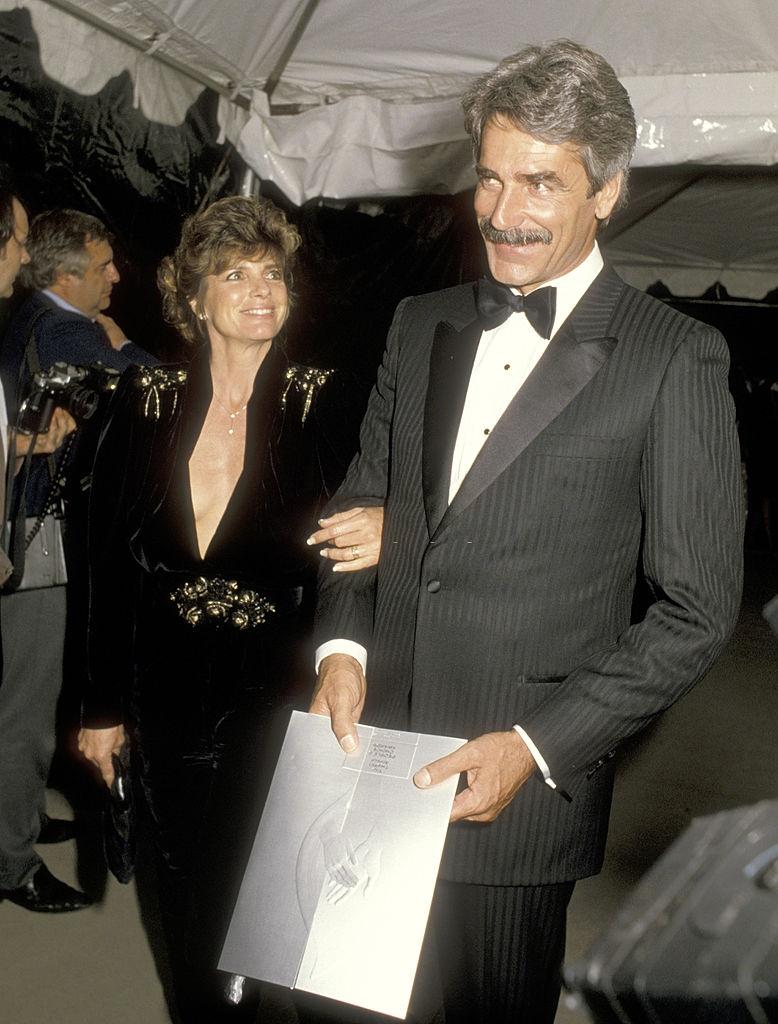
x=496 y=302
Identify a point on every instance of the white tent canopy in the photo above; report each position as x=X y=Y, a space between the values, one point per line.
x=699 y=226
x=370 y=92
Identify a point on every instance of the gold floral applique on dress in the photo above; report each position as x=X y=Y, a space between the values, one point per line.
x=308 y=380
x=154 y=382
x=221 y=602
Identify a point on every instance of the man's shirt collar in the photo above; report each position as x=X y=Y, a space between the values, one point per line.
x=571 y=286
x=59 y=301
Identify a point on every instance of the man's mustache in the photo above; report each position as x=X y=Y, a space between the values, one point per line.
x=514 y=236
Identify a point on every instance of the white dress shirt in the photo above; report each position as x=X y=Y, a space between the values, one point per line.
x=505 y=358
x=64 y=304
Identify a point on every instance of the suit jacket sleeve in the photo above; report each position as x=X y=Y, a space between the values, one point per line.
x=690 y=494
x=345 y=600
x=333 y=424
x=135 y=355
x=80 y=341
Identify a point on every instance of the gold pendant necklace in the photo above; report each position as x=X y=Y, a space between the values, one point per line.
x=232 y=415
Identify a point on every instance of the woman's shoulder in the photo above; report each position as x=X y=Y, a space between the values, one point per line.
x=153 y=392
x=308 y=378
x=331 y=406
x=304 y=385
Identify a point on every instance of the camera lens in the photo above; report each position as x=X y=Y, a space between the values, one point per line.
x=82 y=402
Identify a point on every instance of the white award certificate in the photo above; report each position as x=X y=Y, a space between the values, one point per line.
x=338 y=887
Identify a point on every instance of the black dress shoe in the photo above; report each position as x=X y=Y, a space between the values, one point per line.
x=56 y=830
x=46 y=894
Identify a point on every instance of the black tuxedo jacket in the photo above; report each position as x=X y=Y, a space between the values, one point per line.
x=615 y=470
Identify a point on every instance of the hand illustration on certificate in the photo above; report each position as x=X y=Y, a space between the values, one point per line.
x=338 y=887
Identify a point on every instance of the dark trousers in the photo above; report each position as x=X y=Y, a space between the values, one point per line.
x=33 y=631
x=203 y=777
x=204 y=811
x=492 y=955
x=500 y=951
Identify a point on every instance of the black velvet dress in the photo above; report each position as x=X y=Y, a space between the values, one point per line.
x=203 y=657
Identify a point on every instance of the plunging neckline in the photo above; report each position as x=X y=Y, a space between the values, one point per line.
x=258 y=425
x=202 y=556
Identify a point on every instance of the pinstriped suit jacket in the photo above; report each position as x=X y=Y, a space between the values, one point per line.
x=615 y=465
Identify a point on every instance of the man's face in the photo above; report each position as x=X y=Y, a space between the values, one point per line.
x=533 y=206
x=91 y=292
x=15 y=252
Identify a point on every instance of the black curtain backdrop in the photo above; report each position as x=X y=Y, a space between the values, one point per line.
x=101 y=155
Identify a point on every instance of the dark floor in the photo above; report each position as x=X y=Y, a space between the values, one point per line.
x=714 y=750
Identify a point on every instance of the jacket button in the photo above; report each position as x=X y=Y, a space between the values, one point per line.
x=433 y=586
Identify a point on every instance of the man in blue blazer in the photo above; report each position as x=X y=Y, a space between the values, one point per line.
x=72 y=270
x=561 y=556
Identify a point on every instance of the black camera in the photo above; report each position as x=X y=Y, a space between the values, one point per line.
x=75 y=388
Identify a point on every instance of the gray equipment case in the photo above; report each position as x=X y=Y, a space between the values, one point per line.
x=697 y=941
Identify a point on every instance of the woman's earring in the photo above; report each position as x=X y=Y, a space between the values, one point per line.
x=202 y=316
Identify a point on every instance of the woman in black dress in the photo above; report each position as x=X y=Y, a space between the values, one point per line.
x=207 y=481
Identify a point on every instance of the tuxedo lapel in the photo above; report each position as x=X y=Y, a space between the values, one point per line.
x=451 y=362
x=572 y=358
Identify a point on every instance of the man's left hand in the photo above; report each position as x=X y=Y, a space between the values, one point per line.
x=114 y=333
x=497 y=765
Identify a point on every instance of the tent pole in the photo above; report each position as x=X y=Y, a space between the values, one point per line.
x=250 y=184
x=280 y=66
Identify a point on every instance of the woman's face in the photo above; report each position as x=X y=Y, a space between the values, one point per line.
x=246 y=302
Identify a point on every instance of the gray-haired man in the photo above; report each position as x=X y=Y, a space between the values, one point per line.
x=547 y=443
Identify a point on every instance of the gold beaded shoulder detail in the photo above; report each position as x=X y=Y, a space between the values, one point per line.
x=307 y=380
x=156 y=382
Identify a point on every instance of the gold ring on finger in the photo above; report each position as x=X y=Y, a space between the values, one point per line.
x=354 y=552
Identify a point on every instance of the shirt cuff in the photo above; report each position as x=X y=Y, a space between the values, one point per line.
x=356 y=651
x=539 y=759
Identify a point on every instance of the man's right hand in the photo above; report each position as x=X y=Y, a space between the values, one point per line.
x=340 y=694
x=62 y=424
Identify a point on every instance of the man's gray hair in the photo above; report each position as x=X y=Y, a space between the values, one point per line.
x=559 y=92
x=57 y=245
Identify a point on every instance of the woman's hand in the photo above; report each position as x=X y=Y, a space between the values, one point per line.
x=97 y=745
x=355 y=536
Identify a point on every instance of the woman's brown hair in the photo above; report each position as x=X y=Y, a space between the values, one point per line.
x=230 y=229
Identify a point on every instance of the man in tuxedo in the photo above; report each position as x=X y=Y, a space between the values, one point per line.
x=68 y=259
x=561 y=558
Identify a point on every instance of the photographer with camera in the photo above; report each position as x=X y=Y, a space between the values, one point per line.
x=52 y=384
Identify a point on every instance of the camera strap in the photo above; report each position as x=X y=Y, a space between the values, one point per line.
x=17 y=540
x=32 y=364
x=17 y=544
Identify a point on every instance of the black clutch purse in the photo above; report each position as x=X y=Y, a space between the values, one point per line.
x=119 y=820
